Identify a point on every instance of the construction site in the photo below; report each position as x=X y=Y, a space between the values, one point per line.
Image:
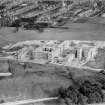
x=67 y=53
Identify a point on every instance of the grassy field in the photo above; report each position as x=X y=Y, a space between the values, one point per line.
x=76 y=31
x=38 y=81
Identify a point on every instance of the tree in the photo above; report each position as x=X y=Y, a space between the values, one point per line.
x=92 y=91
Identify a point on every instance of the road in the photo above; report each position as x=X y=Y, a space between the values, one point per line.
x=35 y=101
x=45 y=62
x=29 y=101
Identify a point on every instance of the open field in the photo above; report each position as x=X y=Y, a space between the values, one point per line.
x=76 y=31
x=38 y=81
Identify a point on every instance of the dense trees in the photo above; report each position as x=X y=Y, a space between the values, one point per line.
x=71 y=96
x=82 y=92
x=92 y=91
